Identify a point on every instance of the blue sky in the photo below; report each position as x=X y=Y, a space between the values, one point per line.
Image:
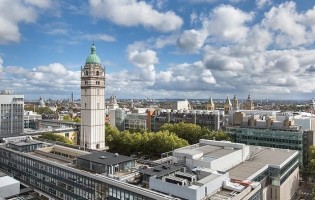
x=160 y=48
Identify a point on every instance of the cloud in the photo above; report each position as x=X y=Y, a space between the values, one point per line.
x=290 y=28
x=144 y=61
x=228 y=23
x=191 y=40
x=135 y=13
x=224 y=24
x=102 y=37
x=14 y=12
x=262 y=3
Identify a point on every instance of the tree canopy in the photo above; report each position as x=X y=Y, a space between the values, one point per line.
x=192 y=132
x=147 y=143
x=54 y=137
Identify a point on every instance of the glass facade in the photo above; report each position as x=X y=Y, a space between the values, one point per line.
x=276 y=176
x=284 y=139
x=62 y=182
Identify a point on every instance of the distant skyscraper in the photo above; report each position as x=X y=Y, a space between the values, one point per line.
x=11 y=113
x=93 y=102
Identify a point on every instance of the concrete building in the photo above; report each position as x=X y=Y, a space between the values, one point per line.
x=93 y=103
x=31 y=119
x=59 y=172
x=212 y=120
x=11 y=113
x=217 y=170
x=9 y=187
x=263 y=129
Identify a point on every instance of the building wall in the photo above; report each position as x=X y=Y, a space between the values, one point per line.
x=61 y=182
x=290 y=186
x=11 y=114
x=71 y=135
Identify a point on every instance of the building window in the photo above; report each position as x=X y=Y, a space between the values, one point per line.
x=97 y=82
x=85 y=105
x=97 y=73
x=86 y=73
x=86 y=82
x=98 y=106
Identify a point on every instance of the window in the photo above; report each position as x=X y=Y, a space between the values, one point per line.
x=86 y=73
x=98 y=106
x=97 y=82
x=85 y=105
x=97 y=73
x=85 y=82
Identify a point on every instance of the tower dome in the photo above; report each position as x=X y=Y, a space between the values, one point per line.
x=93 y=58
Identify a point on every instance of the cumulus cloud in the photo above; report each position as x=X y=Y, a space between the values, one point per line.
x=144 y=61
x=262 y=3
x=225 y=23
x=135 y=13
x=14 y=12
x=290 y=28
x=54 y=78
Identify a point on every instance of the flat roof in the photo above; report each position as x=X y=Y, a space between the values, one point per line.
x=106 y=158
x=161 y=170
x=25 y=143
x=260 y=158
x=7 y=180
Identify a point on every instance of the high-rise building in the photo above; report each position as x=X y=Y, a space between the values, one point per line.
x=11 y=113
x=93 y=102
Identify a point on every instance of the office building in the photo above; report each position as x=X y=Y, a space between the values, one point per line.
x=11 y=113
x=93 y=103
x=59 y=172
x=220 y=170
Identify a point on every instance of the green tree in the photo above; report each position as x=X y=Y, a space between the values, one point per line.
x=43 y=110
x=54 y=137
x=186 y=131
x=67 y=118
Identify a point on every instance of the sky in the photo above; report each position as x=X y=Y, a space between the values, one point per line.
x=159 y=49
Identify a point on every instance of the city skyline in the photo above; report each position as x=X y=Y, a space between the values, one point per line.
x=160 y=49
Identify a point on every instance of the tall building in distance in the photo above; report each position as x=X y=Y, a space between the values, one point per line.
x=227 y=105
x=93 y=103
x=11 y=113
x=249 y=104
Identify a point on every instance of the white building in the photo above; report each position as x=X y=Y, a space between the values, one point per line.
x=11 y=113
x=93 y=103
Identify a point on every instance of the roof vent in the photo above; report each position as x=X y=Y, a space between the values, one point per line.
x=102 y=157
x=116 y=154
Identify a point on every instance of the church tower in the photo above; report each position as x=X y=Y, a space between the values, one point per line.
x=249 y=104
x=92 y=103
x=227 y=106
x=235 y=103
x=210 y=104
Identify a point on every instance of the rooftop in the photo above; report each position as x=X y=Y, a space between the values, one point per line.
x=106 y=158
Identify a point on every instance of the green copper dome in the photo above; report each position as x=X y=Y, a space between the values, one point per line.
x=93 y=58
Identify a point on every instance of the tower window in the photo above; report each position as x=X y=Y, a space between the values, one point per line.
x=97 y=82
x=86 y=73
x=98 y=105
x=85 y=82
x=97 y=73
x=85 y=105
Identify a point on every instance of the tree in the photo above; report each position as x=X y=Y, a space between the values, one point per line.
x=192 y=132
x=186 y=131
x=54 y=137
x=67 y=118
x=143 y=143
